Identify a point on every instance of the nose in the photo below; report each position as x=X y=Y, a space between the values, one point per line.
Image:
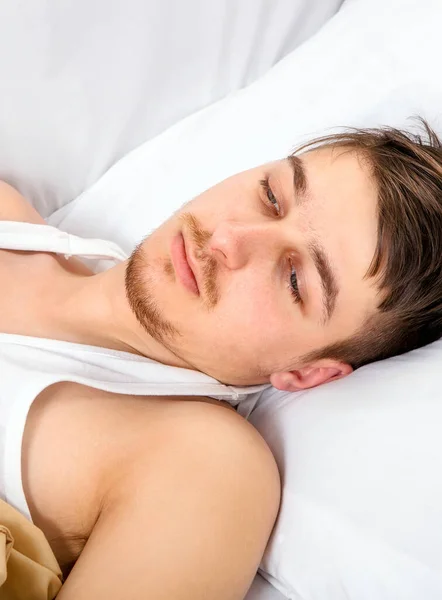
x=233 y=244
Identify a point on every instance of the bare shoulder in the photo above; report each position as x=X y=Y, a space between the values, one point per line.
x=105 y=427
x=15 y=207
x=189 y=475
x=186 y=486
x=197 y=433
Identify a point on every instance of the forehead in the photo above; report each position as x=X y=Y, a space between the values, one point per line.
x=338 y=207
x=338 y=184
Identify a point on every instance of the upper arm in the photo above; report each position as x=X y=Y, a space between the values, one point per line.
x=14 y=207
x=188 y=521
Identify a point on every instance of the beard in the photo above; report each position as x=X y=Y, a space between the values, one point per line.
x=140 y=283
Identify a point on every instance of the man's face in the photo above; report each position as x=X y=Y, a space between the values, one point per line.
x=277 y=258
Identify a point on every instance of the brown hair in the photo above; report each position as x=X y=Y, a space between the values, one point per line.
x=407 y=169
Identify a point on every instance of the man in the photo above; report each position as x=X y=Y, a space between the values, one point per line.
x=293 y=274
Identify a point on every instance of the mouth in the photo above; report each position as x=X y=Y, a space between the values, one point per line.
x=181 y=263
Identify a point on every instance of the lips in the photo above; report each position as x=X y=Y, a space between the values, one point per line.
x=181 y=265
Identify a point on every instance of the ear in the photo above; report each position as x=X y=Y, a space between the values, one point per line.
x=309 y=376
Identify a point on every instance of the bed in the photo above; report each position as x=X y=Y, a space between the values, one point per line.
x=98 y=99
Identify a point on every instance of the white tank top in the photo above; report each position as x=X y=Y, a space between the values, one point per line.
x=28 y=364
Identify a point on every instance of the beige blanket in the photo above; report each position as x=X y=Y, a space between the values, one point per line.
x=28 y=567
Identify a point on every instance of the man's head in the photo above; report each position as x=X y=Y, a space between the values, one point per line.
x=305 y=268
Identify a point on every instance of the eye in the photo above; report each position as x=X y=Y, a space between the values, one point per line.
x=294 y=290
x=270 y=198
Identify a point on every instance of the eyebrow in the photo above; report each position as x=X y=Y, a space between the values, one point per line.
x=330 y=289
x=329 y=284
x=299 y=178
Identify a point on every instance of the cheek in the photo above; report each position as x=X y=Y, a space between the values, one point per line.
x=230 y=199
x=262 y=327
x=251 y=317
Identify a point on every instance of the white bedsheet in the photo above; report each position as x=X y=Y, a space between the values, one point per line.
x=361 y=458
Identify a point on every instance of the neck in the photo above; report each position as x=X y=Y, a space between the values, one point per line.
x=94 y=310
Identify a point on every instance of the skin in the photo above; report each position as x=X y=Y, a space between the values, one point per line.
x=148 y=497
x=246 y=328
x=186 y=487
x=254 y=332
x=142 y=496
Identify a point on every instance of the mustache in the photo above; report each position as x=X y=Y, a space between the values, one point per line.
x=209 y=266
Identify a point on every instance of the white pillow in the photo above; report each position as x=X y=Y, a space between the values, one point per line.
x=361 y=459
x=82 y=83
x=262 y=590
x=361 y=516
